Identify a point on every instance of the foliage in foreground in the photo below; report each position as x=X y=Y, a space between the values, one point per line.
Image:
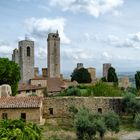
x=9 y=74
x=88 y=125
x=130 y=104
x=137 y=121
x=19 y=130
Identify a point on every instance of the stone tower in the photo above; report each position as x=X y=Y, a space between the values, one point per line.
x=15 y=56
x=53 y=55
x=106 y=66
x=24 y=57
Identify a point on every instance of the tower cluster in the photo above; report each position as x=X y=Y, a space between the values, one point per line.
x=24 y=57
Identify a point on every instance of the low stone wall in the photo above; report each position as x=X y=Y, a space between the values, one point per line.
x=59 y=106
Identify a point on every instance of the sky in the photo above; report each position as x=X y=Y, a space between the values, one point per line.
x=92 y=32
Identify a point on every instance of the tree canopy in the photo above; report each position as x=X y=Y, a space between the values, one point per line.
x=112 y=76
x=9 y=74
x=19 y=130
x=137 y=79
x=130 y=104
x=81 y=76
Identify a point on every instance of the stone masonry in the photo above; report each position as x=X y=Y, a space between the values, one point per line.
x=54 y=107
x=53 y=55
x=24 y=56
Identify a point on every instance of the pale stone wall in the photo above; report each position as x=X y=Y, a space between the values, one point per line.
x=60 y=105
x=26 y=63
x=106 y=66
x=24 y=93
x=124 y=82
x=32 y=114
x=53 y=55
x=42 y=83
x=92 y=72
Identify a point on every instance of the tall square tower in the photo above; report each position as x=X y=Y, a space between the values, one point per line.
x=26 y=59
x=53 y=55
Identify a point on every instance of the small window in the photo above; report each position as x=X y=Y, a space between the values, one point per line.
x=28 y=51
x=51 y=111
x=34 y=90
x=23 y=116
x=27 y=91
x=100 y=110
x=4 y=116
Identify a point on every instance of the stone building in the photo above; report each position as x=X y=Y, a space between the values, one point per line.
x=53 y=55
x=106 y=66
x=29 y=90
x=59 y=106
x=124 y=82
x=92 y=72
x=27 y=108
x=15 y=56
x=24 y=56
x=80 y=65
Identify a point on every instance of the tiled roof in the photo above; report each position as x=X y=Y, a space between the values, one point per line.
x=20 y=102
x=22 y=87
x=55 y=84
x=39 y=78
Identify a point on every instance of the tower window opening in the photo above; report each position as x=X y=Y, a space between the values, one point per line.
x=28 y=51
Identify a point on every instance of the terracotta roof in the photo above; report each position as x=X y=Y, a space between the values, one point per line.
x=55 y=84
x=39 y=78
x=20 y=102
x=22 y=87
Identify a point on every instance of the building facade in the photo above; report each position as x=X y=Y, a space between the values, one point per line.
x=53 y=55
x=24 y=56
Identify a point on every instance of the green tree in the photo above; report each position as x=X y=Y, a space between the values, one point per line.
x=100 y=127
x=85 y=128
x=9 y=74
x=112 y=76
x=112 y=121
x=137 y=79
x=81 y=76
x=103 y=79
x=130 y=104
x=19 y=130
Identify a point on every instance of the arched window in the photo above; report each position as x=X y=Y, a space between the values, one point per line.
x=28 y=51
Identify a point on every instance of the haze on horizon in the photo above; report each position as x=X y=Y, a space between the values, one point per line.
x=92 y=32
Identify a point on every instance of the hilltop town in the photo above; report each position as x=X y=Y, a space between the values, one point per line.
x=40 y=98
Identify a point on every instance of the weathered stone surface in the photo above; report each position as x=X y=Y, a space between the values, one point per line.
x=61 y=105
x=5 y=90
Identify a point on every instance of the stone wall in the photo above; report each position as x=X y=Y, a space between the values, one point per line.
x=32 y=114
x=59 y=106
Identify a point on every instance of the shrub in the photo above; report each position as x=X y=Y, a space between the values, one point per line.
x=74 y=91
x=137 y=121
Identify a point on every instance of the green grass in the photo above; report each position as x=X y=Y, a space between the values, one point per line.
x=62 y=128
x=127 y=124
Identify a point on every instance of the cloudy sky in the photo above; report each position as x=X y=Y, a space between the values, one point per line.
x=92 y=31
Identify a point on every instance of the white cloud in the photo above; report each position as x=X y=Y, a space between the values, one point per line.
x=135 y=37
x=92 y=7
x=42 y=26
x=106 y=55
x=5 y=49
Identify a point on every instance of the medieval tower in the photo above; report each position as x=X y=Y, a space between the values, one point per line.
x=53 y=55
x=24 y=56
x=106 y=67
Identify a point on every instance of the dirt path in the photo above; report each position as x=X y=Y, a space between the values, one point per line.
x=131 y=136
